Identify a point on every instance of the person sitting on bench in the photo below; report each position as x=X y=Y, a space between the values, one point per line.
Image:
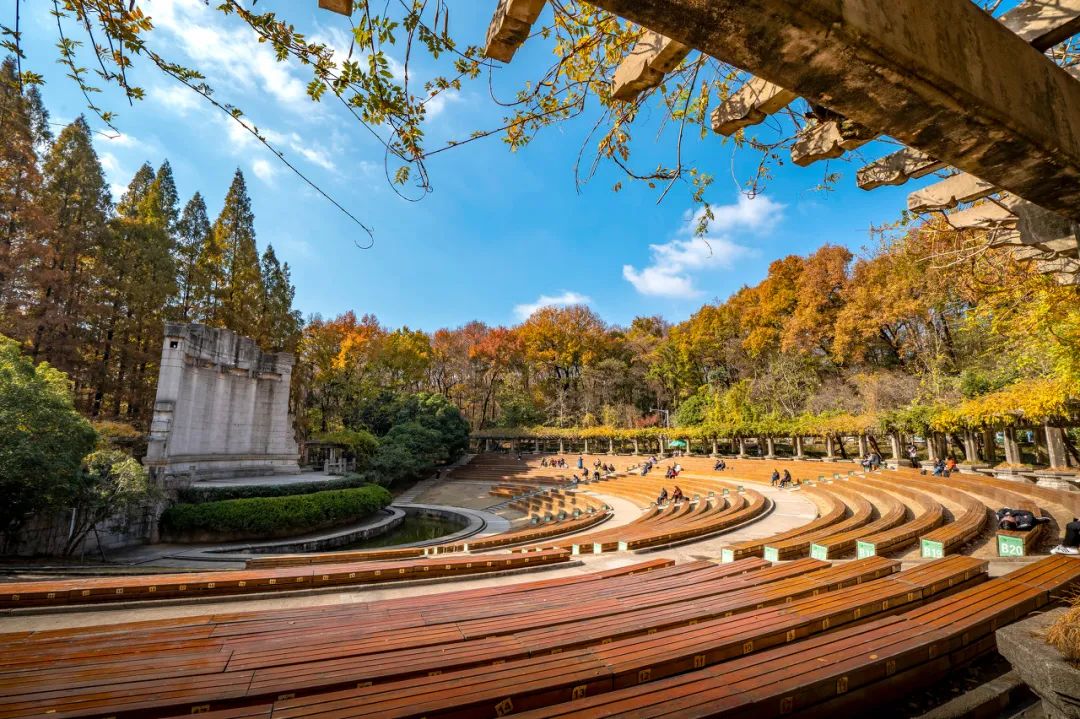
x=677 y=496
x=785 y=481
x=775 y=480
x=1018 y=520
x=1071 y=545
x=663 y=496
x=720 y=466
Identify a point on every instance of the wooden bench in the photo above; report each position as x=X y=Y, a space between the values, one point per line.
x=861 y=511
x=844 y=673
x=201 y=584
x=890 y=513
x=644 y=658
x=929 y=516
x=831 y=511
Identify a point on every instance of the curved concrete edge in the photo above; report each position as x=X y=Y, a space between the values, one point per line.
x=391 y=518
x=340 y=588
x=476 y=521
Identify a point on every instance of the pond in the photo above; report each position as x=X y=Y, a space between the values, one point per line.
x=414 y=528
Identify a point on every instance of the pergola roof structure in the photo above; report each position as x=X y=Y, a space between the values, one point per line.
x=958 y=87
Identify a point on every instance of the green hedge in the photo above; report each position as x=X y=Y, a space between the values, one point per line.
x=199 y=495
x=268 y=517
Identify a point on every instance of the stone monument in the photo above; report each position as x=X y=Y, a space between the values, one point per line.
x=222 y=407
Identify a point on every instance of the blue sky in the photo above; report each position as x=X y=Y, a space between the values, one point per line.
x=501 y=233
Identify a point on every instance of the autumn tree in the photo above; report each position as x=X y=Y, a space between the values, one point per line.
x=241 y=293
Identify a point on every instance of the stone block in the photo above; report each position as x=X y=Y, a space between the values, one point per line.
x=1041 y=666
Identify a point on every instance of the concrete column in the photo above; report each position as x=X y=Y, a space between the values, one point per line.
x=1012 y=447
x=863 y=451
x=660 y=444
x=586 y=446
x=742 y=447
x=971 y=450
x=770 y=447
x=536 y=446
x=796 y=443
x=989 y=449
x=931 y=447
x=687 y=440
x=714 y=452
x=1042 y=452
x=611 y=445
x=635 y=447
x=829 y=447
x=1055 y=447
x=487 y=444
x=896 y=441
x=561 y=450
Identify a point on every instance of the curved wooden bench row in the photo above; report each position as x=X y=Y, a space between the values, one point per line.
x=831 y=510
x=861 y=510
x=891 y=513
x=595 y=671
x=389 y=616
x=201 y=584
x=929 y=516
x=1009 y=543
x=848 y=672
x=248 y=675
x=748 y=506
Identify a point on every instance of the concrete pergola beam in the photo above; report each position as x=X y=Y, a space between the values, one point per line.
x=828 y=140
x=1044 y=23
x=949 y=193
x=913 y=70
x=986 y=215
x=644 y=68
x=342 y=7
x=896 y=169
x=750 y=105
x=510 y=27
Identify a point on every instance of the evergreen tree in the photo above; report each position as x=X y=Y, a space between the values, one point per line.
x=22 y=222
x=168 y=201
x=138 y=190
x=77 y=200
x=192 y=234
x=279 y=323
x=241 y=295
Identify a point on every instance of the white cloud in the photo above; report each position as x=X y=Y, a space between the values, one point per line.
x=523 y=311
x=435 y=105
x=263 y=170
x=177 y=98
x=236 y=53
x=117 y=191
x=109 y=163
x=673 y=264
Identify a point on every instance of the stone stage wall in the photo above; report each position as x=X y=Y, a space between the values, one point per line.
x=222 y=407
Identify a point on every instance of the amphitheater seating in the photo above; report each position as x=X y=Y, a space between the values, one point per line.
x=842 y=673
x=202 y=584
x=266 y=657
x=929 y=515
x=830 y=511
x=890 y=514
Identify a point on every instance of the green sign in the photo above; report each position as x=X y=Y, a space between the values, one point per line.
x=865 y=549
x=727 y=555
x=819 y=552
x=1010 y=546
x=771 y=554
x=932 y=549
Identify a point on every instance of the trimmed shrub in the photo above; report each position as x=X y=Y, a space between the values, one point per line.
x=271 y=517
x=199 y=495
